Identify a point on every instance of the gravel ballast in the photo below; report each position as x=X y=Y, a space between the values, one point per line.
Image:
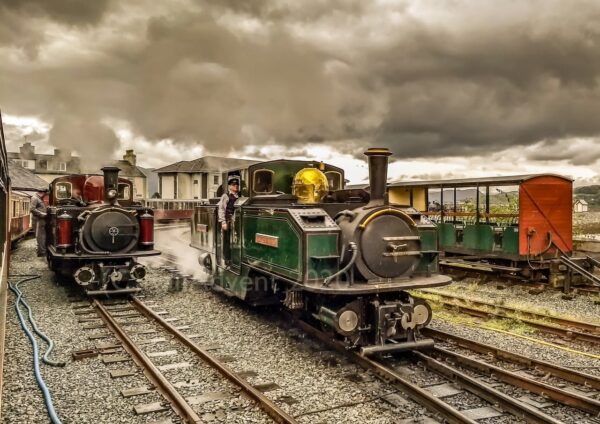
x=309 y=382
x=300 y=375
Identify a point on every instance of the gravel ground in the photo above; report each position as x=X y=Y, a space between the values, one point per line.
x=82 y=391
x=550 y=302
x=312 y=383
x=308 y=378
x=520 y=346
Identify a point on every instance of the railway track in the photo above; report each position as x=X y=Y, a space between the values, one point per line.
x=113 y=315
x=435 y=361
x=568 y=387
x=434 y=402
x=567 y=328
x=516 y=280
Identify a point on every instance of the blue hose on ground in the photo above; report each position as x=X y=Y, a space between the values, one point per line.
x=36 y=362
x=39 y=332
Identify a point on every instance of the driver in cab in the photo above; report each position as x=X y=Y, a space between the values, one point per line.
x=225 y=211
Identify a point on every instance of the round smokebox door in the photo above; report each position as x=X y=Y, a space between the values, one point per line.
x=114 y=231
x=390 y=247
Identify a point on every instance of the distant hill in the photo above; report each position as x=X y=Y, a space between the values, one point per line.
x=590 y=194
x=463 y=194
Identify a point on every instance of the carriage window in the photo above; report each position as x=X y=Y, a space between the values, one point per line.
x=124 y=192
x=263 y=181
x=334 y=179
x=63 y=191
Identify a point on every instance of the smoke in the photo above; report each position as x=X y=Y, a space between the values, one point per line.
x=437 y=79
x=92 y=140
x=173 y=242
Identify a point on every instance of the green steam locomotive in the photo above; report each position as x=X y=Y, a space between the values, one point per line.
x=343 y=257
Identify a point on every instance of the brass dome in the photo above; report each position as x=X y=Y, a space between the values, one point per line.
x=310 y=185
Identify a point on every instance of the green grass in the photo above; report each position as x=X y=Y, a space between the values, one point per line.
x=508 y=324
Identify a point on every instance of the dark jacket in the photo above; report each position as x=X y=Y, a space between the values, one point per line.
x=225 y=207
x=37 y=207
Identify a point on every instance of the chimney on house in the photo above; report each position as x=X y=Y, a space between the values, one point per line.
x=130 y=156
x=27 y=151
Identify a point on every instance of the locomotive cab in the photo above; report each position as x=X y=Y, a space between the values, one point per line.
x=96 y=232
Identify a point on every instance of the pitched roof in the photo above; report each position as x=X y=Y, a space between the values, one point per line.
x=581 y=201
x=127 y=169
x=467 y=182
x=23 y=179
x=206 y=164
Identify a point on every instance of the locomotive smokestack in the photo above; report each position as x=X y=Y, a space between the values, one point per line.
x=378 y=167
x=111 y=183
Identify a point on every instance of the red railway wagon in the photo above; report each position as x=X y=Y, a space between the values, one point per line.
x=519 y=225
x=20 y=218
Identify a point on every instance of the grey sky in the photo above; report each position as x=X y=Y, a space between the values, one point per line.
x=432 y=80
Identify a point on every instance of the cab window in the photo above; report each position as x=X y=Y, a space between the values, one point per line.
x=263 y=181
x=63 y=190
x=334 y=179
x=124 y=191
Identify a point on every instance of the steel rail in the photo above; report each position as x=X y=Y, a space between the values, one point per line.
x=581 y=325
x=545 y=328
x=495 y=397
x=569 y=333
x=266 y=404
x=414 y=392
x=557 y=371
x=564 y=397
x=178 y=403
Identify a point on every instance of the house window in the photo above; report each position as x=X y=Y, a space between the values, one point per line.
x=195 y=182
x=58 y=166
x=27 y=164
x=215 y=179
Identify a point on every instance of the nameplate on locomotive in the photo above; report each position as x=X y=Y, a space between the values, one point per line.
x=266 y=240
x=202 y=228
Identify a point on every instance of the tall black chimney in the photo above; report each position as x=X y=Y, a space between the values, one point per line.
x=378 y=167
x=111 y=183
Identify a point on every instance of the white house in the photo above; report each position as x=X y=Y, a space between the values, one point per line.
x=580 y=205
x=196 y=179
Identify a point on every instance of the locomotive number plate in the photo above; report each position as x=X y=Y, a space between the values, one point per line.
x=266 y=240
x=202 y=228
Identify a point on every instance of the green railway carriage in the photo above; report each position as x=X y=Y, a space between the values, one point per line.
x=517 y=225
x=340 y=256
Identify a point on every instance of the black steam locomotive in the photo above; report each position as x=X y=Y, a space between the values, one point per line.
x=343 y=257
x=96 y=232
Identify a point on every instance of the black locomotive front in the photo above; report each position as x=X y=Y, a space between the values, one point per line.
x=96 y=232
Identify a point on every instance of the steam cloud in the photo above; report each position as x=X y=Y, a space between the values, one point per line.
x=436 y=79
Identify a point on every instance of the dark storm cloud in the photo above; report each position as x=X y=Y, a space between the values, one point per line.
x=22 y=22
x=460 y=78
x=578 y=152
x=73 y=12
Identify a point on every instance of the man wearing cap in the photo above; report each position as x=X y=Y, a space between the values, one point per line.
x=225 y=211
x=37 y=207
